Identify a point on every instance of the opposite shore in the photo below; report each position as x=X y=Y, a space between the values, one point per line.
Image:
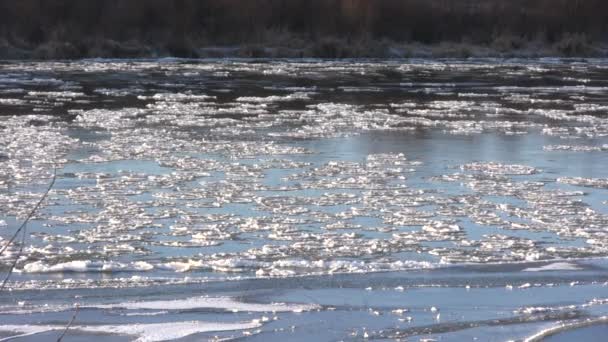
x=73 y=29
x=573 y=46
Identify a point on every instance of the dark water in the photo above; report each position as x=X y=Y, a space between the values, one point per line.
x=282 y=200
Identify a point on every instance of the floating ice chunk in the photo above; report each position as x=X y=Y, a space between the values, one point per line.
x=298 y=96
x=500 y=169
x=575 y=148
x=26 y=330
x=12 y=90
x=399 y=312
x=36 y=81
x=403 y=105
x=56 y=94
x=601 y=183
x=177 y=97
x=86 y=266
x=181 y=266
x=530 y=310
x=556 y=266
x=441 y=227
x=221 y=303
x=360 y=89
x=295 y=267
x=590 y=107
x=153 y=313
x=12 y=102
x=109 y=119
x=561 y=326
x=151 y=332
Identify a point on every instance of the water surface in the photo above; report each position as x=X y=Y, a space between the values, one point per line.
x=282 y=200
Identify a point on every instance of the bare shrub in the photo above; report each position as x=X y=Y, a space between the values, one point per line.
x=324 y=28
x=57 y=50
x=507 y=42
x=331 y=48
x=573 y=44
x=252 y=51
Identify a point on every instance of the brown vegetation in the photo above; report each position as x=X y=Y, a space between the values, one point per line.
x=324 y=28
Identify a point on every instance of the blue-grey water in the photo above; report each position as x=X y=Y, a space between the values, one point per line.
x=275 y=200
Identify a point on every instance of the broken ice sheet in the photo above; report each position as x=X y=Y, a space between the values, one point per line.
x=280 y=181
x=586 y=182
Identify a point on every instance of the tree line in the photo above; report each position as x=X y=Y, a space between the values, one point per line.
x=31 y=23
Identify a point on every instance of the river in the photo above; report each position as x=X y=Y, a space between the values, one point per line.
x=274 y=200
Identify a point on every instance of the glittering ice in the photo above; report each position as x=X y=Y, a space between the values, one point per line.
x=190 y=176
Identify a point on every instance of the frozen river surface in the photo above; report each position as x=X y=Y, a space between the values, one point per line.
x=450 y=200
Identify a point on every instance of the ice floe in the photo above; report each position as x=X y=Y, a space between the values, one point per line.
x=186 y=175
x=219 y=303
x=557 y=266
x=149 y=332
